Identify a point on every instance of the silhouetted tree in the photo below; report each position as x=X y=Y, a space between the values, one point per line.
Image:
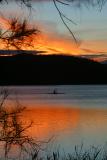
x=18 y=34
x=13 y=131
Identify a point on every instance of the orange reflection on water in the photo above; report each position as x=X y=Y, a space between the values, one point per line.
x=49 y=121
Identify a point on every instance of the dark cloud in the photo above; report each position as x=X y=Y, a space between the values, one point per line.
x=91 y=51
x=98 y=57
x=53 y=50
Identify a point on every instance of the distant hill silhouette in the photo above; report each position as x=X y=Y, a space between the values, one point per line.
x=104 y=62
x=31 y=69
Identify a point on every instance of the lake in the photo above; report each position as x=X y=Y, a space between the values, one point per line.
x=76 y=114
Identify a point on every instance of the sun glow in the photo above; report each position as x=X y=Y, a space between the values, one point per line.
x=50 y=43
x=53 y=43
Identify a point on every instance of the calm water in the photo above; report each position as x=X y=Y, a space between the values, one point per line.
x=78 y=114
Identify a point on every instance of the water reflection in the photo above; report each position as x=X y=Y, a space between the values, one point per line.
x=79 y=115
x=68 y=126
x=51 y=121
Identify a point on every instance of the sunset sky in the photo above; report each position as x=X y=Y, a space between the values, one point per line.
x=90 y=29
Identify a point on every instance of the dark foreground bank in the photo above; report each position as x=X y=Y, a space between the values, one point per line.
x=43 y=70
x=79 y=153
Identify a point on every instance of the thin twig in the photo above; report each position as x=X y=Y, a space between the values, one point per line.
x=61 y=16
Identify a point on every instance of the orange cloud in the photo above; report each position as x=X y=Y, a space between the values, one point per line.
x=96 y=46
x=52 y=42
x=57 y=44
x=62 y=45
x=95 y=49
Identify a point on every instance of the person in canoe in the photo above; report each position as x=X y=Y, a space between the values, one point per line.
x=55 y=91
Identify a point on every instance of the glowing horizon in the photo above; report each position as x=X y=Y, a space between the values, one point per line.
x=54 y=38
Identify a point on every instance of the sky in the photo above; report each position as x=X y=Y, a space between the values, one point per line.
x=90 y=29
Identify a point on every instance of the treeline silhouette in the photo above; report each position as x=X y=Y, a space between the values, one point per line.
x=28 y=69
